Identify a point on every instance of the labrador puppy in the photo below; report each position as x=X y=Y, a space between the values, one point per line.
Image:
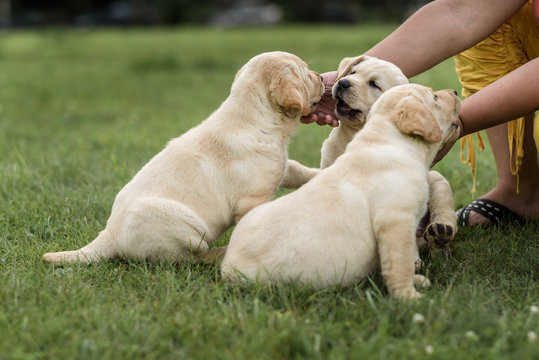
x=204 y=181
x=360 y=82
x=377 y=192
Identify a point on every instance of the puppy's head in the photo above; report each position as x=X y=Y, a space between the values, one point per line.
x=420 y=112
x=360 y=82
x=284 y=79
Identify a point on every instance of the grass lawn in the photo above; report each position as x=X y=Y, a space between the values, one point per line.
x=82 y=111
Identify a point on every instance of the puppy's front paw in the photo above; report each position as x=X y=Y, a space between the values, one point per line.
x=421 y=281
x=440 y=234
x=406 y=294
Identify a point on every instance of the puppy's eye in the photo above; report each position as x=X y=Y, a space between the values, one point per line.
x=352 y=72
x=435 y=97
x=373 y=84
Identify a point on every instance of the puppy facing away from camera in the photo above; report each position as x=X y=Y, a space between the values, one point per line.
x=360 y=82
x=375 y=195
x=204 y=181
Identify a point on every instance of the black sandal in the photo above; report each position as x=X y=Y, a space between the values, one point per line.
x=497 y=214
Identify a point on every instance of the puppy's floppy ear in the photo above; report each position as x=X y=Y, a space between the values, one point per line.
x=289 y=91
x=413 y=117
x=347 y=63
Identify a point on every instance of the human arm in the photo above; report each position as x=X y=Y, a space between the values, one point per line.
x=434 y=33
x=441 y=29
x=514 y=95
x=510 y=97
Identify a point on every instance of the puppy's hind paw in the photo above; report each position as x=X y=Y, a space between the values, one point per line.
x=439 y=234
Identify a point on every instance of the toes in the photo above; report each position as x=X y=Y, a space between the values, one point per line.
x=440 y=234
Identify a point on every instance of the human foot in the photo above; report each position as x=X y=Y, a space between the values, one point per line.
x=498 y=207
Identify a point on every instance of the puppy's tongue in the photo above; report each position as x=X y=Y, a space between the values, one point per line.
x=344 y=107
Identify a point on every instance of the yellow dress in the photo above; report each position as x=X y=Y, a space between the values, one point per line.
x=513 y=44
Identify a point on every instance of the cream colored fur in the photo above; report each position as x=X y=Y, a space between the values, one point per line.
x=359 y=213
x=204 y=181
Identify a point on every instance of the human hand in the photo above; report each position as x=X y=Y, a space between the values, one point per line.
x=324 y=113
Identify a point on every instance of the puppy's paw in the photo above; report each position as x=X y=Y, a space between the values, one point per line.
x=439 y=234
x=421 y=281
x=406 y=294
x=411 y=293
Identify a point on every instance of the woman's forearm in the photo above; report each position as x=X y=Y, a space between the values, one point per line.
x=442 y=29
x=508 y=98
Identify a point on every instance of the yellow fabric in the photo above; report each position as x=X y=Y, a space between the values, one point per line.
x=470 y=159
x=510 y=46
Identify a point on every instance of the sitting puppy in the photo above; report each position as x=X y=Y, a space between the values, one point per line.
x=360 y=82
x=376 y=193
x=204 y=181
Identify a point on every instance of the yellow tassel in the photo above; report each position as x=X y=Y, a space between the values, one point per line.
x=515 y=137
x=470 y=159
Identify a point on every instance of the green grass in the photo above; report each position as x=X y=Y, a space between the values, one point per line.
x=81 y=112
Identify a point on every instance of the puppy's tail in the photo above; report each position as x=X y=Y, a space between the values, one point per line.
x=100 y=248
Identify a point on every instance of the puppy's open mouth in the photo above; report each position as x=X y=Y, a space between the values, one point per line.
x=345 y=110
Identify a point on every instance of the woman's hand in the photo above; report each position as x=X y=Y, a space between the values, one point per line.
x=324 y=113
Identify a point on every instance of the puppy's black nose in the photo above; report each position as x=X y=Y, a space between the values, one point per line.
x=455 y=92
x=343 y=84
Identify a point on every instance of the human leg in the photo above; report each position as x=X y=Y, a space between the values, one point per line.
x=526 y=202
